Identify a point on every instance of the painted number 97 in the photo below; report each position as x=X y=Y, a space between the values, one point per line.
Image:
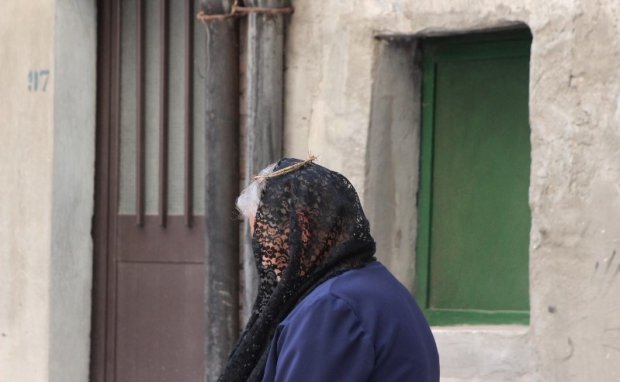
x=37 y=80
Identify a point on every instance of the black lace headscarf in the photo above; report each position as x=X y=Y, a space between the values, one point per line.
x=309 y=227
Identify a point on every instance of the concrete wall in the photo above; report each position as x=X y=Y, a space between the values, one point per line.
x=75 y=36
x=47 y=175
x=391 y=179
x=333 y=65
x=26 y=133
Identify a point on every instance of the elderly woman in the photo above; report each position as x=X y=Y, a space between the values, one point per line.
x=326 y=309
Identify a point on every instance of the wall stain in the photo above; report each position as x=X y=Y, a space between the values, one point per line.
x=571 y=350
x=605 y=278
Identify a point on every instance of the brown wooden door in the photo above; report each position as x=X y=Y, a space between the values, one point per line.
x=148 y=315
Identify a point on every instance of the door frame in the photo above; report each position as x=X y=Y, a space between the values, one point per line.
x=106 y=168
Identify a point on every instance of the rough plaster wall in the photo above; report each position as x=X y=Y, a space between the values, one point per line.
x=327 y=92
x=575 y=108
x=73 y=187
x=25 y=199
x=574 y=333
x=392 y=157
x=484 y=353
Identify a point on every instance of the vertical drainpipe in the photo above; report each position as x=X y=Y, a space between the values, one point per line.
x=221 y=188
x=264 y=114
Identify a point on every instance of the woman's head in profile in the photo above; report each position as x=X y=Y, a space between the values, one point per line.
x=303 y=217
x=307 y=225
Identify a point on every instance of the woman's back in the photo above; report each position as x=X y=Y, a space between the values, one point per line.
x=357 y=326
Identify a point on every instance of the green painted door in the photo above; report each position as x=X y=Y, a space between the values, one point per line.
x=475 y=217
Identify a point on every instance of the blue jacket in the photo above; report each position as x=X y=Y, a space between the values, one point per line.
x=362 y=325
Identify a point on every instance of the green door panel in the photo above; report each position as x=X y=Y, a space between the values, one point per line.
x=474 y=181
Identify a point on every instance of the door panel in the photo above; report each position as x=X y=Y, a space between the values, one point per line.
x=481 y=168
x=473 y=239
x=160 y=313
x=154 y=243
x=148 y=314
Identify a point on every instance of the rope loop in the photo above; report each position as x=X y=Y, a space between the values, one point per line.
x=285 y=170
x=237 y=11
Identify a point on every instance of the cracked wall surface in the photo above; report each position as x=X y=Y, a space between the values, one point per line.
x=574 y=334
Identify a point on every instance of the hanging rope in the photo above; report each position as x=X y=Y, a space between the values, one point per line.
x=237 y=11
